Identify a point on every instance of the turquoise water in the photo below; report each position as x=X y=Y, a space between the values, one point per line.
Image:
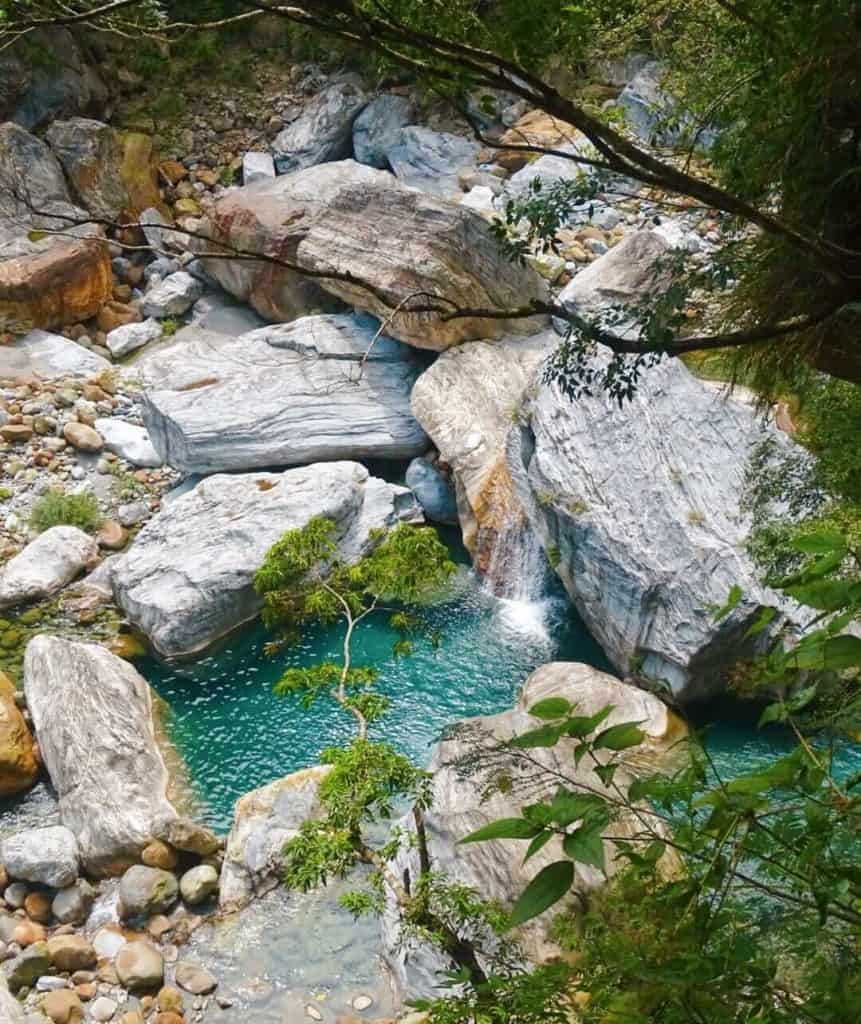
x=235 y=735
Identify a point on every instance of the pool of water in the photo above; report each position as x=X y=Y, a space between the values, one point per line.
x=235 y=735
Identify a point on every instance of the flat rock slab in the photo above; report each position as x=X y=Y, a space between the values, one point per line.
x=46 y=565
x=46 y=355
x=319 y=388
x=188 y=578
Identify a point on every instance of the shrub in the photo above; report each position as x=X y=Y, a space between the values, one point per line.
x=58 y=509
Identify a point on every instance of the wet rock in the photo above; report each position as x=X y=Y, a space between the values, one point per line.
x=19 y=766
x=198 y=884
x=435 y=492
x=91 y=157
x=129 y=441
x=71 y=953
x=129 y=337
x=145 y=891
x=47 y=856
x=195 y=979
x=417 y=243
x=322 y=387
x=28 y=966
x=323 y=131
x=83 y=437
x=431 y=161
x=78 y=690
x=188 y=577
x=140 y=966
x=377 y=129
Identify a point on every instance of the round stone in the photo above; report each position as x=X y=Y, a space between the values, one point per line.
x=158 y=854
x=145 y=891
x=82 y=437
x=362 y=1003
x=170 y=999
x=199 y=884
x=72 y=953
x=140 y=966
x=195 y=979
x=63 y=1007
x=103 y=1009
x=37 y=906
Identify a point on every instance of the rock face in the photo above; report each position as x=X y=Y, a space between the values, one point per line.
x=318 y=388
x=378 y=128
x=188 y=578
x=19 y=766
x=642 y=506
x=263 y=822
x=466 y=402
x=46 y=565
x=429 y=160
x=48 y=856
x=91 y=157
x=495 y=869
x=323 y=131
x=48 y=356
x=129 y=441
x=347 y=219
x=93 y=718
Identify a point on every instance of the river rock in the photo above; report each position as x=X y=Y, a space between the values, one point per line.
x=79 y=690
x=323 y=131
x=63 y=1007
x=195 y=979
x=72 y=905
x=19 y=765
x=71 y=953
x=641 y=507
x=647 y=106
x=549 y=169
x=90 y=154
x=434 y=491
x=463 y=803
x=48 y=856
x=27 y=966
x=431 y=161
x=188 y=836
x=257 y=167
x=145 y=891
x=188 y=577
x=42 y=354
x=466 y=402
x=534 y=128
x=350 y=219
x=263 y=821
x=46 y=565
x=319 y=388
x=377 y=129
x=82 y=437
x=198 y=884
x=173 y=297
x=128 y=337
x=129 y=441
x=103 y=1009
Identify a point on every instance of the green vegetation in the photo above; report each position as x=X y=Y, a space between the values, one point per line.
x=56 y=508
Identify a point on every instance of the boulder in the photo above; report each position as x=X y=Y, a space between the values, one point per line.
x=145 y=891
x=173 y=297
x=19 y=763
x=263 y=821
x=129 y=441
x=648 y=109
x=429 y=160
x=319 y=388
x=42 y=354
x=323 y=131
x=128 y=337
x=140 y=966
x=139 y=175
x=257 y=167
x=77 y=692
x=198 y=884
x=188 y=836
x=83 y=437
x=534 y=128
x=378 y=127
x=195 y=979
x=188 y=578
x=463 y=802
x=641 y=507
x=435 y=492
x=386 y=241
x=70 y=953
x=47 y=856
x=27 y=966
x=46 y=565
x=549 y=170
x=466 y=402
x=91 y=156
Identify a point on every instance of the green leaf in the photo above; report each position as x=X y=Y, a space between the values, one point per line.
x=579 y=753
x=735 y=595
x=825 y=595
x=582 y=725
x=605 y=772
x=569 y=807
x=551 y=708
x=763 y=621
x=545 y=736
x=505 y=828
x=586 y=846
x=833 y=653
x=547 y=888
x=822 y=542
x=620 y=737
x=538 y=843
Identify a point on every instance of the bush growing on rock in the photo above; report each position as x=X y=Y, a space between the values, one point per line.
x=58 y=509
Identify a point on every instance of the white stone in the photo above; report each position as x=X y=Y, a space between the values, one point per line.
x=129 y=441
x=46 y=355
x=46 y=565
x=103 y=1009
x=174 y=296
x=128 y=337
x=48 y=856
x=257 y=167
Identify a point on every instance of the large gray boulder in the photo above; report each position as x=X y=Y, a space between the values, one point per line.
x=90 y=154
x=188 y=578
x=384 y=241
x=466 y=401
x=378 y=127
x=47 y=856
x=323 y=131
x=46 y=565
x=263 y=821
x=466 y=801
x=320 y=388
x=92 y=714
x=173 y=296
x=431 y=161
x=435 y=492
x=46 y=355
x=640 y=506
